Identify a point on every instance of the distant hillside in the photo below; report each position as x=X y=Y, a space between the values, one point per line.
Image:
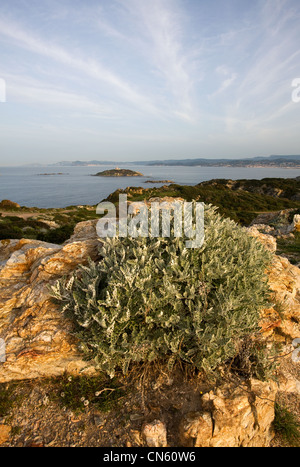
x=84 y=163
x=241 y=200
x=275 y=187
x=286 y=161
x=271 y=161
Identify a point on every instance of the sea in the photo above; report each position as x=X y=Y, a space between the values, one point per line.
x=29 y=186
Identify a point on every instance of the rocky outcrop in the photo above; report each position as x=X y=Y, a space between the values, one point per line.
x=267 y=240
x=231 y=416
x=7 y=204
x=155 y=434
x=277 y=224
x=296 y=223
x=38 y=339
x=284 y=282
x=4 y=433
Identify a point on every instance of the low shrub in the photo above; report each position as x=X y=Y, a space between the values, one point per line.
x=58 y=235
x=153 y=299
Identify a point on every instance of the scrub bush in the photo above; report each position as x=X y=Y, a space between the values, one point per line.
x=153 y=299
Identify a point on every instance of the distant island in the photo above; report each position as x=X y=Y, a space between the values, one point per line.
x=56 y=173
x=118 y=173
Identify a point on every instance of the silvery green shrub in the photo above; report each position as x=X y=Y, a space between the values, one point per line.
x=153 y=299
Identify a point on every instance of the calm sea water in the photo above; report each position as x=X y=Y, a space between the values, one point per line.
x=25 y=186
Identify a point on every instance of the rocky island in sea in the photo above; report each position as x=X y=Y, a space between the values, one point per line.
x=53 y=173
x=118 y=173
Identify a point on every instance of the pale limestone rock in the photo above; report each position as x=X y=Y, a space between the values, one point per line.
x=84 y=231
x=196 y=429
x=51 y=224
x=38 y=339
x=296 y=223
x=155 y=434
x=239 y=416
x=267 y=240
x=288 y=383
x=284 y=282
x=4 y=433
x=166 y=201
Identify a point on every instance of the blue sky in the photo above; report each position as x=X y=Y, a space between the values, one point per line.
x=138 y=79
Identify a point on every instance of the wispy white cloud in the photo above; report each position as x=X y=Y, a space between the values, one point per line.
x=229 y=77
x=162 y=29
x=86 y=66
x=34 y=92
x=260 y=94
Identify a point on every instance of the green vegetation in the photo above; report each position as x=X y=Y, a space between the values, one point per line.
x=8 y=205
x=79 y=392
x=59 y=235
x=17 y=227
x=288 y=188
x=8 y=398
x=290 y=247
x=155 y=300
x=76 y=393
x=49 y=225
x=5 y=401
x=287 y=426
x=240 y=200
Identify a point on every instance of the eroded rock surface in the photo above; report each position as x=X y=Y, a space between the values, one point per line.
x=232 y=417
x=37 y=337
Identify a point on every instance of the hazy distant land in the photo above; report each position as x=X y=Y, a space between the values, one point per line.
x=51 y=174
x=274 y=161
